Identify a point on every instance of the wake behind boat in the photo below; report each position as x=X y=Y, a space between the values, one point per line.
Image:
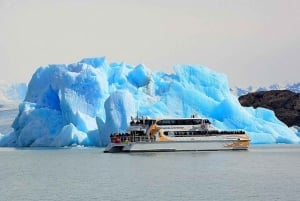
x=178 y=134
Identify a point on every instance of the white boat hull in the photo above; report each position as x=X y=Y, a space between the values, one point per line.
x=170 y=146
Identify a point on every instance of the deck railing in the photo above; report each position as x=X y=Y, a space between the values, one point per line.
x=128 y=138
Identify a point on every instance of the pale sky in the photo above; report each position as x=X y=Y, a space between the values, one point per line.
x=252 y=42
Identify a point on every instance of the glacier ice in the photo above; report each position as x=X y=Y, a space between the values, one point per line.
x=11 y=95
x=84 y=102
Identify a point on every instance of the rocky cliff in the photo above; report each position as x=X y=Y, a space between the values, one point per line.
x=285 y=104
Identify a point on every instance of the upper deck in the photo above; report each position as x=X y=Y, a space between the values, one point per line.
x=171 y=129
x=171 y=124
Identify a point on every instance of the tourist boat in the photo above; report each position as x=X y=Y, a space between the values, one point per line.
x=177 y=134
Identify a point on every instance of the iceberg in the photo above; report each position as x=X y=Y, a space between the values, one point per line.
x=84 y=102
x=11 y=95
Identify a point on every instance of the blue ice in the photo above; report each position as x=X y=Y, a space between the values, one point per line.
x=84 y=102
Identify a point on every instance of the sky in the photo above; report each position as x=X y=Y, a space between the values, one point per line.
x=254 y=43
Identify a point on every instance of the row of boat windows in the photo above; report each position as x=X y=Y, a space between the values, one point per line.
x=189 y=133
x=182 y=121
x=170 y=122
x=126 y=137
x=142 y=122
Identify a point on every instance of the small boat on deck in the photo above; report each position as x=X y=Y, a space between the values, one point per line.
x=176 y=134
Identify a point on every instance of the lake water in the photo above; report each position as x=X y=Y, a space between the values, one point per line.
x=264 y=172
x=269 y=172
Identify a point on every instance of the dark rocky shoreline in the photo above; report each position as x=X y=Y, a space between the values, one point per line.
x=285 y=104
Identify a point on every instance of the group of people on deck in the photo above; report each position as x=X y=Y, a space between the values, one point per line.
x=126 y=138
x=119 y=137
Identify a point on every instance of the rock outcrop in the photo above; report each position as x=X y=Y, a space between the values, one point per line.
x=285 y=104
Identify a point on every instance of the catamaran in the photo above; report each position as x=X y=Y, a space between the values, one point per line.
x=176 y=134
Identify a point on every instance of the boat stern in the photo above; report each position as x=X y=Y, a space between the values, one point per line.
x=117 y=147
x=242 y=143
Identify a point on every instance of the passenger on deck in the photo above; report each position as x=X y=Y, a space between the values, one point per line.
x=111 y=137
x=118 y=138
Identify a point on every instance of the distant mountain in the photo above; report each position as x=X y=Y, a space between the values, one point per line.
x=11 y=94
x=243 y=91
x=294 y=87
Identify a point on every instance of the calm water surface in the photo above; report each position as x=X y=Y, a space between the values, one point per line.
x=269 y=172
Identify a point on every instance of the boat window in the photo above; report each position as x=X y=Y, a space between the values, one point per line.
x=173 y=122
x=149 y=122
x=171 y=134
x=188 y=122
x=206 y=121
x=179 y=122
x=163 y=122
x=184 y=122
x=197 y=121
x=160 y=122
